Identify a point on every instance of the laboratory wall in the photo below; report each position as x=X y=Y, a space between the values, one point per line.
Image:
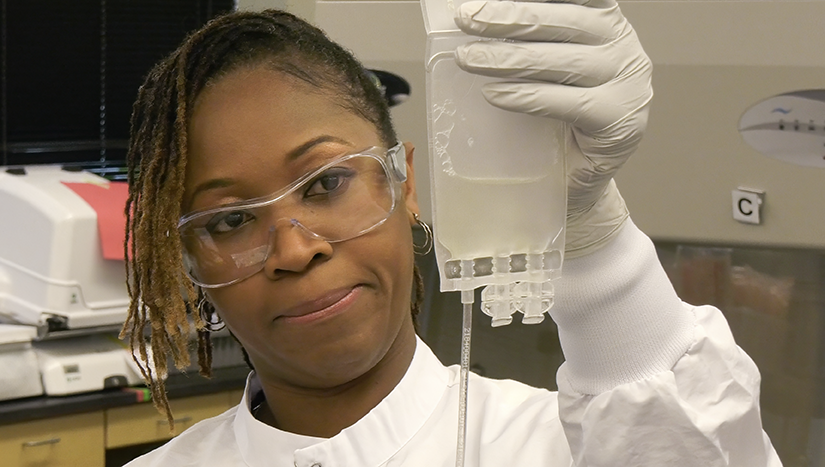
x=713 y=60
x=303 y=8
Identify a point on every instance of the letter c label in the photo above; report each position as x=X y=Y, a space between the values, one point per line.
x=742 y=209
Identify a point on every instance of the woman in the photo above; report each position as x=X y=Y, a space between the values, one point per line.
x=268 y=184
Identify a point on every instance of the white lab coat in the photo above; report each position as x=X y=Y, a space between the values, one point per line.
x=648 y=381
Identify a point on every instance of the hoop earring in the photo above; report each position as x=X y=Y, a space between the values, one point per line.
x=212 y=322
x=428 y=237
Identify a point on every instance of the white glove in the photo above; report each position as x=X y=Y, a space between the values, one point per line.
x=584 y=66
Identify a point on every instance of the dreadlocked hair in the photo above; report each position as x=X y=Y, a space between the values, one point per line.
x=418 y=295
x=162 y=297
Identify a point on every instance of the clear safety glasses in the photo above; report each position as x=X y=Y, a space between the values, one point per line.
x=345 y=198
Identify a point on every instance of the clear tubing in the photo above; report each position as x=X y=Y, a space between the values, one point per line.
x=467 y=297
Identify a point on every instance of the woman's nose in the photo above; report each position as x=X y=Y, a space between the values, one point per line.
x=293 y=249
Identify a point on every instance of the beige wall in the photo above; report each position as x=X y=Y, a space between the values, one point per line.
x=303 y=8
x=712 y=60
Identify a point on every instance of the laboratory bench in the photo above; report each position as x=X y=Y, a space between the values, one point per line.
x=108 y=428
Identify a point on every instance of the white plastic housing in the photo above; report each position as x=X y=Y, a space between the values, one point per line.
x=87 y=363
x=789 y=127
x=51 y=262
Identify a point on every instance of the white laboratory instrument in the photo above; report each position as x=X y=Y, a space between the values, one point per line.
x=85 y=363
x=19 y=376
x=58 y=281
x=53 y=274
x=789 y=127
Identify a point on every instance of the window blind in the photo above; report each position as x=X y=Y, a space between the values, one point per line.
x=71 y=70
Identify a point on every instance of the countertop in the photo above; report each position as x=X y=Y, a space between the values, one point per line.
x=177 y=386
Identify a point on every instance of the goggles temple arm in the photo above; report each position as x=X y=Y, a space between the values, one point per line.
x=397 y=156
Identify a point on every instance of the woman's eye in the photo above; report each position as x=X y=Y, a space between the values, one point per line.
x=329 y=182
x=227 y=222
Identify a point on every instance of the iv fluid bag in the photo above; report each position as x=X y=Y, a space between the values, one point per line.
x=498 y=190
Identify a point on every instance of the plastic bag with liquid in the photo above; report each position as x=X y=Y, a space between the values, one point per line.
x=498 y=185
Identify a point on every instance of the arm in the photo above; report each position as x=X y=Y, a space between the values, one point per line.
x=648 y=380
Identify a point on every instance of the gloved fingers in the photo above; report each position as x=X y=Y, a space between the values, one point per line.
x=591 y=110
x=540 y=99
x=571 y=64
x=542 y=22
x=590 y=3
x=590 y=166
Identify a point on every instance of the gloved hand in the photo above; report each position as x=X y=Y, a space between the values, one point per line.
x=586 y=67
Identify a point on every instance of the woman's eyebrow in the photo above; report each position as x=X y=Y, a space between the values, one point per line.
x=300 y=150
x=210 y=185
x=213 y=184
x=290 y=156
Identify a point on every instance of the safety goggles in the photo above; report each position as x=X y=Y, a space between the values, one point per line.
x=347 y=197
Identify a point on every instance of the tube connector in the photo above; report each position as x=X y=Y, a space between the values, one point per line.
x=467 y=296
x=533 y=299
x=497 y=302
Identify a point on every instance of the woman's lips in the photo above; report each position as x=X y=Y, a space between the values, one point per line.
x=330 y=304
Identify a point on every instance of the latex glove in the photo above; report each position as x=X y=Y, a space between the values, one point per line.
x=584 y=66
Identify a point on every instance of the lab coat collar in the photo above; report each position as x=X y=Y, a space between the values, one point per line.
x=371 y=441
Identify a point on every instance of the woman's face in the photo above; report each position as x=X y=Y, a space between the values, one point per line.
x=318 y=315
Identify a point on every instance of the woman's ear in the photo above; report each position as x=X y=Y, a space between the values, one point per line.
x=410 y=196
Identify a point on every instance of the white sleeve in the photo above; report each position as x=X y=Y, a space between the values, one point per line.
x=649 y=380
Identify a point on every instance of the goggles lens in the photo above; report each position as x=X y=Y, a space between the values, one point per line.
x=342 y=200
